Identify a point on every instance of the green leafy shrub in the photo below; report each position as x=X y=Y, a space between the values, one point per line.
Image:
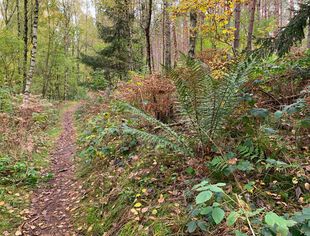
x=99 y=139
x=5 y=101
x=205 y=103
x=13 y=172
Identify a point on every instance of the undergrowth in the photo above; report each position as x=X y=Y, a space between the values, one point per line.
x=247 y=175
x=25 y=142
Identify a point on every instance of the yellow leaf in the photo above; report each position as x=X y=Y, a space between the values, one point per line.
x=90 y=228
x=137 y=205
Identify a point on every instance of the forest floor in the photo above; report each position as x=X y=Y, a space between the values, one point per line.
x=53 y=203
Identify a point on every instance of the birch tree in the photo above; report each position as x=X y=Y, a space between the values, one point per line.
x=33 y=53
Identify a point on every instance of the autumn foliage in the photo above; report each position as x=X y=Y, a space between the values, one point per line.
x=153 y=94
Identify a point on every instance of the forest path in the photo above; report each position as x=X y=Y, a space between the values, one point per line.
x=52 y=204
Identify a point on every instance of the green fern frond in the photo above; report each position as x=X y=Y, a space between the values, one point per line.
x=178 y=138
x=157 y=140
x=205 y=100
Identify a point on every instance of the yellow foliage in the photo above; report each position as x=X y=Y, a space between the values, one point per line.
x=217 y=15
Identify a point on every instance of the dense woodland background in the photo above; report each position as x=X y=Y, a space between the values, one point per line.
x=193 y=115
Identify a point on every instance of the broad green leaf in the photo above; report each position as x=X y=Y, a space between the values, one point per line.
x=232 y=218
x=218 y=215
x=215 y=189
x=259 y=112
x=203 y=197
x=202 y=184
x=239 y=233
x=191 y=226
x=278 y=114
x=202 y=225
x=282 y=225
x=206 y=210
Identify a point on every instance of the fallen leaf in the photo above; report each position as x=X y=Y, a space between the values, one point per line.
x=137 y=205
x=161 y=199
x=145 y=209
x=154 y=212
x=18 y=233
x=134 y=211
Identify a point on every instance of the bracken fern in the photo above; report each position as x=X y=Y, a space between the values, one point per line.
x=204 y=101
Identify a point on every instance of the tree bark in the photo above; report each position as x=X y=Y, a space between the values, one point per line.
x=19 y=33
x=277 y=13
x=33 y=53
x=308 y=43
x=167 y=35
x=25 y=44
x=48 y=53
x=193 y=34
x=251 y=26
x=237 y=26
x=175 y=44
x=147 y=35
x=292 y=8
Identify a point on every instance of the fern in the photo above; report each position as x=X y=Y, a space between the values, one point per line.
x=206 y=101
x=174 y=140
x=250 y=152
x=158 y=140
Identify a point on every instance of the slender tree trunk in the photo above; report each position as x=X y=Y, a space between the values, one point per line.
x=19 y=33
x=259 y=6
x=175 y=44
x=308 y=42
x=281 y=13
x=265 y=9
x=47 y=70
x=33 y=52
x=147 y=35
x=251 y=26
x=292 y=8
x=167 y=35
x=18 y=18
x=186 y=35
x=237 y=26
x=25 y=44
x=277 y=13
x=193 y=34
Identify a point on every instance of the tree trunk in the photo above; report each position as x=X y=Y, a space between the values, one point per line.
x=308 y=43
x=175 y=44
x=193 y=34
x=259 y=7
x=167 y=35
x=277 y=13
x=33 y=53
x=147 y=35
x=48 y=53
x=292 y=8
x=237 y=26
x=25 y=44
x=19 y=33
x=251 y=26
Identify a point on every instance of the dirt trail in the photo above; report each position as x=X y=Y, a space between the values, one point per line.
x=53 y=204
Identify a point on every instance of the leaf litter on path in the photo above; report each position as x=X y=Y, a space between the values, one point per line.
x=53 y=203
